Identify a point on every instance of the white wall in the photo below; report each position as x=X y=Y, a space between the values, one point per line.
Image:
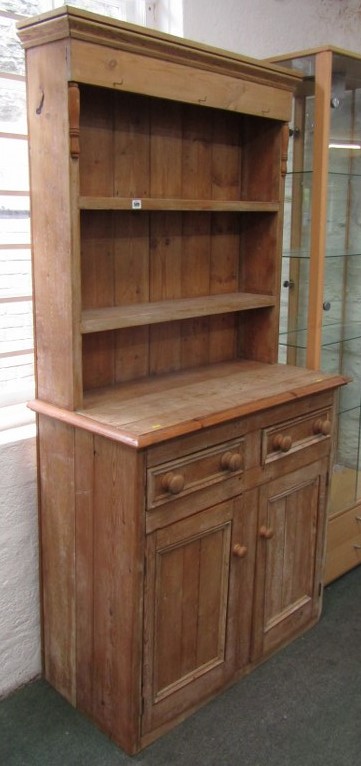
x=263 y=28
x=19 y=586
x=257 y=28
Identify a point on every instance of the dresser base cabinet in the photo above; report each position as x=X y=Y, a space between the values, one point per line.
x=155 y=600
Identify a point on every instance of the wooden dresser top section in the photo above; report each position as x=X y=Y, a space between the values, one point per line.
x=151 y=411
x=142 y=60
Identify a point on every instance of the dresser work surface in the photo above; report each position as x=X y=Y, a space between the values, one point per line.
x=147 y=412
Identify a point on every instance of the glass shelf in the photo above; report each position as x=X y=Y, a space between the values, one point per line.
x=304 y=253
x=332 y=334
x=348 y=175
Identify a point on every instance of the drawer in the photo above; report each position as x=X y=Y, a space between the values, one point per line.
x=182 y=476
x=343 y=543
x=296 y=434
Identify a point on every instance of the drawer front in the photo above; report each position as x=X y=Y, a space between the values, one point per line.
x=343 y=543
x=183 y=476
x=294 y=435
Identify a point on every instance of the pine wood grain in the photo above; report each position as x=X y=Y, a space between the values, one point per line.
x=109 y=585
x=191 y=609
x=96 y=320
x=51 y=172
x=56 y=460
x=293 y=508
x=162 y=203
x=155 y=409
x=176 y=81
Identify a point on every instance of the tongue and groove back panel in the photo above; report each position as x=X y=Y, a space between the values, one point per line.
x=189 y=167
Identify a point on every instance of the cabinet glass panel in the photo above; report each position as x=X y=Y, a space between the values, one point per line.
x=325 y=244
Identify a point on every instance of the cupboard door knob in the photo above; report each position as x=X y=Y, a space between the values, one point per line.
x=231 y=461
x=282 y=443
x=266 y=533
x=240 y=551
x=322 y=426
x=173 y=483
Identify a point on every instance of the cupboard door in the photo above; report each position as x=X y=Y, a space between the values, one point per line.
x=289 y=556
x=189 y=649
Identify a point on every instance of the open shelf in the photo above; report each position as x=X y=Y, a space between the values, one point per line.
x=140 y=314
x=158 y=203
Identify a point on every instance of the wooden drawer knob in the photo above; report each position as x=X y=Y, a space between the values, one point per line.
x=282 y=443
x=231 y=461
x=322 y=426
x=173 y=483
x=266 y=533
x=240 y=551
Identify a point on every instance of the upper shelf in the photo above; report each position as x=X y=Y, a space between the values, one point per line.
x=140 y=314
x=157 y=203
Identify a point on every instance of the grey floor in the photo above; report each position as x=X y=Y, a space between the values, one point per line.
x=301 y=708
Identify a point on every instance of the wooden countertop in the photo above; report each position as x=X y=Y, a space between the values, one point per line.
x=152 y=410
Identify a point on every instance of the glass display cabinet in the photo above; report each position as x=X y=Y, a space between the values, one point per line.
x=321 y=279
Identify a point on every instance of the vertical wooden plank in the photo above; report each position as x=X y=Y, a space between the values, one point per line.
x=131 y=285
x=97 y=259
x=226 y=156
x=196 y=184
x=276 y=519
x=168 y=627
x=213 y=591
x=165 y=283
x=118 y=600
x=190 y=589
x=305 y=552
x=131 y=354
x=96 y=162
x=195 y=274
x=197 y=153
x=224 y=278
x=57 y=302
x=289 y=585
x=166 y=149
x=131 y=258
x=260 y=273
x=260 y=250
x=195 y=266
x=98 y=360
x=194 y=342
x=166 y=230
x=261 y=238
x=131 y=155
x=57 y=523
x=84 y=536
x=241 y=601
x=260 y=159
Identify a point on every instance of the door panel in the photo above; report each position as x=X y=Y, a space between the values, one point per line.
x=292 y=516
x=189 y=629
